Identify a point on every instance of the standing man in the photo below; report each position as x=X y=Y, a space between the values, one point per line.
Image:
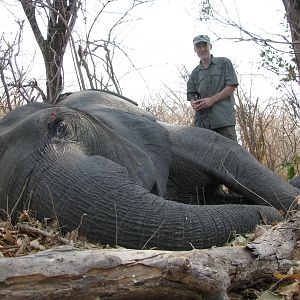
x=210 y=90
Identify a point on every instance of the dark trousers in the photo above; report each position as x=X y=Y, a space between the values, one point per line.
x=228 y=131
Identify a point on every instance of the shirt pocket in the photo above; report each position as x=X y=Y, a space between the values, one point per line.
x=217 y=82
x=201 y=77
x=203 y=85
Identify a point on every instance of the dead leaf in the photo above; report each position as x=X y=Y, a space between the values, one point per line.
x=260 y=230
x=35 y=244
x=73 y=235
x=23 y=239
x=290 y=290
x=24 y=216
x=8 y=236
x=291 y=276
x=3 y=224
x=234 y=296
x=21 y=251
x=51 y=223
x=239 y=241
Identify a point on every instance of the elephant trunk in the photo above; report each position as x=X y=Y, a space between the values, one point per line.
x=227 y=162
x=119 y=212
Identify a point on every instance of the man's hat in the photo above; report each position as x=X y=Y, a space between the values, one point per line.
x=201 y=38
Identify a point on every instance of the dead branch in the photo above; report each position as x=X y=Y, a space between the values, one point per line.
x=29 y=229
x=70 y=273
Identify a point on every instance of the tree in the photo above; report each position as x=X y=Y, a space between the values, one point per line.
x=61 y=17
x=97 y=48
x=277 y=52
x=93 y=58
x=18 y=88
x=292 y=8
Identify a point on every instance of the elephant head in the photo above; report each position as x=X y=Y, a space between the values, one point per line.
x=98 y=155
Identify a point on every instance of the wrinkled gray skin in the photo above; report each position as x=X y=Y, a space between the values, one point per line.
x=99 y=155
x=295 y=181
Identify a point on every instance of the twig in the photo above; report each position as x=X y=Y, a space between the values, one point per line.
x=20 y=197
x=116 y=241
x=53 y=206
x=263 y=199
x=153 y=234
x=30 y=229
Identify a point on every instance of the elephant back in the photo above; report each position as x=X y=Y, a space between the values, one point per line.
x=92 y=100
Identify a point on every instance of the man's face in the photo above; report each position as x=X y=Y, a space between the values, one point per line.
x=203 y=50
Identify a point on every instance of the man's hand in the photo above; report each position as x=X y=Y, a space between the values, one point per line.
x=201 y=104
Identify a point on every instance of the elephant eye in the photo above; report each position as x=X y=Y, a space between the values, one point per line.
x=61 y=127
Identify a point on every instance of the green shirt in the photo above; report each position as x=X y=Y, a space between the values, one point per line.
x=206 y=82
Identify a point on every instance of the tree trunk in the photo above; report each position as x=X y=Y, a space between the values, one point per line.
x=70 y=273
x=292 y=8
x=61 y=20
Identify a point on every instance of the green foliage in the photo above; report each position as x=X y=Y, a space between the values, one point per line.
x=274 y=61
x=205 y=11
x=291 y=166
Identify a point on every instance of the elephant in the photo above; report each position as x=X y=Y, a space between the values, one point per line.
x=295 y=181
x=130 y=180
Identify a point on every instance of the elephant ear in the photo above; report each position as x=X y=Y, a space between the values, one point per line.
x=18 y=114
x=133 y=124
x=12 y=118
x=147 y=136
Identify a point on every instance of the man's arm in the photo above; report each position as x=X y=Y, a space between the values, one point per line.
x=192 y=92
x=204 y=103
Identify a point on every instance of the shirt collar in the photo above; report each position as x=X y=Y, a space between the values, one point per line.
x=212 y=61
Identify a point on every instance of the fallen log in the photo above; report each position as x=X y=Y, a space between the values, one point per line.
x=70 y=273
